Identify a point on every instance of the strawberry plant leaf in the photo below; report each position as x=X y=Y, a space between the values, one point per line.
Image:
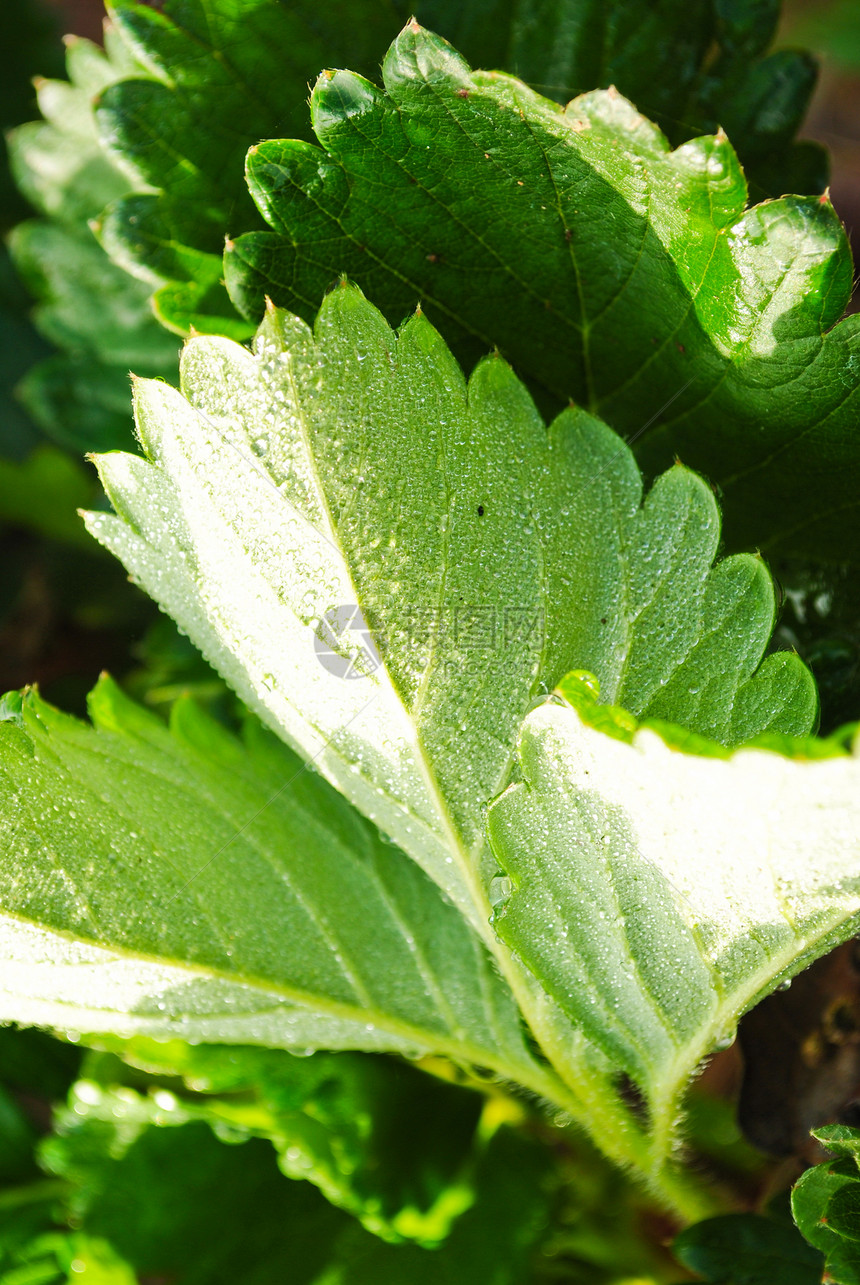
x=217 y=77
x=355 y=466
x=263 y=842
x=689 y=67
x=33 y=1249
x=826 y=1204
x=390 y=1144
x=654 y=955
x=174 y=1200
x=96 y=314
x=27 y=45
x=741 y=370
x=212 y=65
x=748 y=1249
x=185 y=88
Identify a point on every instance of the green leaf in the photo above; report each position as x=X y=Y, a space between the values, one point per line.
x=57 y=162
x=27 y=45
x=688 y=66
x=581 y=690
x=185 y=88
x=490 y=204
x=747 y=1249
x=82 y=404
x=221 y=76
x=840 y=1139
x=818 y=1195
x=390 y=1144
x=90 y=836
x=206 y=81
x=354 y=465
x=658 y=895
x=85 y=299
x=34 y=1252
x=494 y=1241
x=92 y=310
x=176 y=1201
x=487 y=555
x=826 y=1204
x=218 y=77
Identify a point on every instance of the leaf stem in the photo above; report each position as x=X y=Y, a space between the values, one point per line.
x=595 y=1108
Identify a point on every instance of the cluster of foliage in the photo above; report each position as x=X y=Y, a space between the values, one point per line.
x=384 y=915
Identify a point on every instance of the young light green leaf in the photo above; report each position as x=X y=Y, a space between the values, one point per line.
x=177 y=882
x=483 y=556
x=252 y=525
x=487 y=555
x=657 y=895
x=468 y=191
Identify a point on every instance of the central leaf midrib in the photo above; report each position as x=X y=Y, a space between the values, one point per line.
x=449 y=834
x=522 y=983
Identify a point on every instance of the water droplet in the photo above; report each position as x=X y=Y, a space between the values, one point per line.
x=500 y=891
